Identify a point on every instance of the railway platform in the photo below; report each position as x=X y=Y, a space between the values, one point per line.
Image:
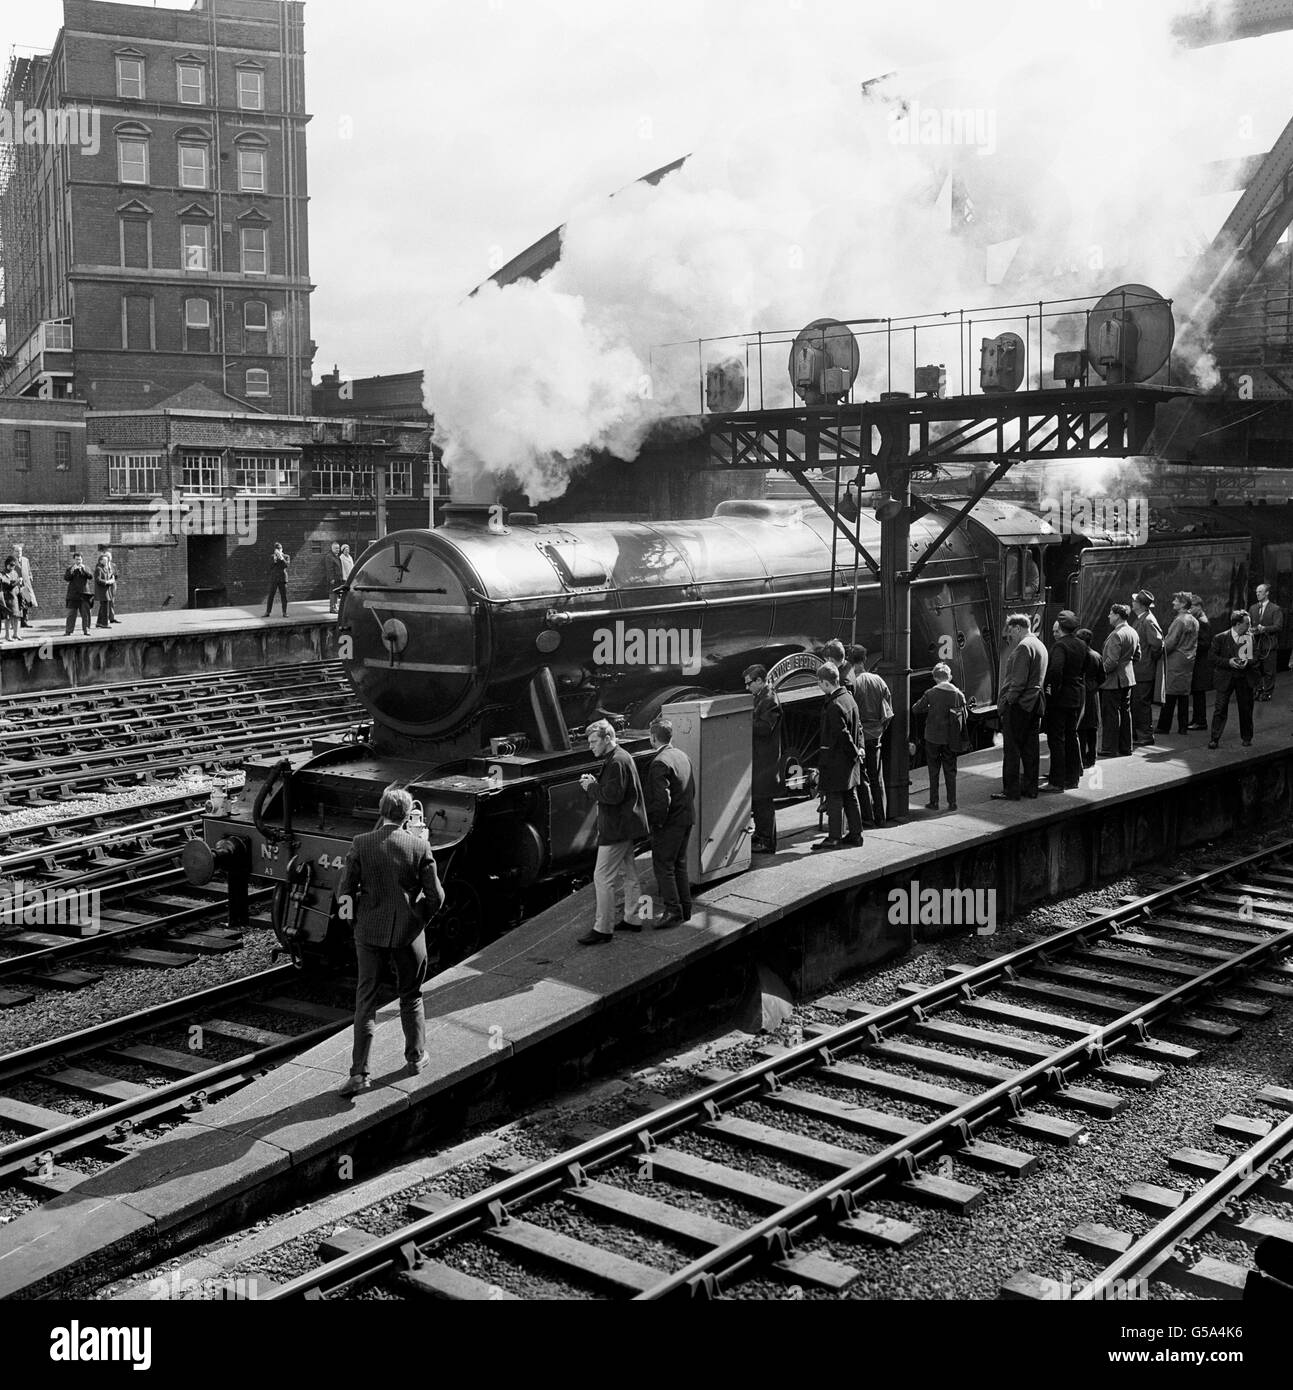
x=145 y=646
x=534 y=1010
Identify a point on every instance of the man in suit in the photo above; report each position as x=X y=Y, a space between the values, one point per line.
x=385 y=870
x=105 y=586
x=332 y=570
x=671 y=813
x=1121 y=648
x=1234 y=671
x=26 y=593
x=1021 y=704
x=1267 y=622
x=80 y=594
x=875 y=710
x=278 y=563
x=1065 y=697
x=840 y=747
x=1150 y=636
x=621 y=819
x=765 y=759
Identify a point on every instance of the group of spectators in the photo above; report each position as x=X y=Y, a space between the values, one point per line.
x=337 y=565
x=1082 y=697
x=85 y=587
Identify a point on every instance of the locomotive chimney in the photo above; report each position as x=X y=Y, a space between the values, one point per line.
x=473 y=501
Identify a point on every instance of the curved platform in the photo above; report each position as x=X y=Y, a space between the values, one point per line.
x=535 y=1010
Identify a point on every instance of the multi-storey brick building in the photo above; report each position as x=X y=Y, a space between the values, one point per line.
x=153 y=215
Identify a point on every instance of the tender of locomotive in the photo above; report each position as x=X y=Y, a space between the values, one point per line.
x=483 y=648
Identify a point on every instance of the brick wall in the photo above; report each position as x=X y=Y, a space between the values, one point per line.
x=43 y=422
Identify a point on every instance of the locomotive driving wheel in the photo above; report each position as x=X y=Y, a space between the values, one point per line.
x=459 y=925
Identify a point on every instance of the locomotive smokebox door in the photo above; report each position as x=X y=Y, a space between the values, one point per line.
x=715 y=734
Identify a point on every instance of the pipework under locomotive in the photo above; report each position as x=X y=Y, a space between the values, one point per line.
x=482 y=648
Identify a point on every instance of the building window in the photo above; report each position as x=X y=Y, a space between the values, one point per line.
x=193 y=166
x=58 y=336
x=251 y=170
x=251 y=89
x=137 y=322
x=255 y=325
x=197 y=325
x=255 y=251
x=130 y=78
x=268 y=475
x=195 y=243
x=62 y=450
x=257 y=381
x=191 y=80
x=337 y=478
x=399 y=477
x=132 y=160
x=133 y=475
x=22 y=448
x=436 y=475
x=201 y=474
x=136 y=242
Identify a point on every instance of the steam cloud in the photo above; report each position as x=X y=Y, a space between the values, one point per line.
x=1083 y=139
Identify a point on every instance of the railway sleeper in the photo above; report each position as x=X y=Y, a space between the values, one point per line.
x=1105 y=1004
x=1150 y=1048
x=1143 y=989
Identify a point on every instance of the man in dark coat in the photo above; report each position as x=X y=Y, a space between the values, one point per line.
x=332 y=569
x=80 y=594
x=1235 y=670
x=1089 y=724
x=278 y=563
x=386 y=870
x=765 y=759
x=1121 y=649
x=840 y=740
x=1201 y=680
x=1150 y=636
x=875 y=710
x=1065 y=698
x=621 y=819
x=1021 y=703
x=671 y=813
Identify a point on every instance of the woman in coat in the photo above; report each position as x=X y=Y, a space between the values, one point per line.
x=10 y=598
x=1201 y=682
x=1179 y=647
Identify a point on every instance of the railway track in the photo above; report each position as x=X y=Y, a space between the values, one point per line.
x=145 y=1068
x=794 y=1152
x=147 y=729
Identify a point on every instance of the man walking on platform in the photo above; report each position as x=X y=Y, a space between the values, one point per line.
x=765 y=763
x=1121 y=648
x=278 y=563
x=1022 y=705
x=80 y=594
x=1066 y=696
x=621 y=819
x=1267 y=623
x=671 y=813
x=1234 y=671
x=1150 y=636
x=385 y=870
x=838 y=756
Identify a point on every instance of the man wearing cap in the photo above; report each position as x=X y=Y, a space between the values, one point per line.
x=1065 y=697
x=1150 y=637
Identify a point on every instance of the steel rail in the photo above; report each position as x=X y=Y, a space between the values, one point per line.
x=81 y=1130
x=113 y=835
x=37 y=1055
x=1144 y=1257
x=31 y=963
x=638 y=1136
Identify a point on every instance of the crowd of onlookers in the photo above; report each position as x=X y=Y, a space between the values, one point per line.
x=84 y=588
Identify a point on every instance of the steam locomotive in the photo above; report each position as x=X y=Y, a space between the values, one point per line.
x=482 y=648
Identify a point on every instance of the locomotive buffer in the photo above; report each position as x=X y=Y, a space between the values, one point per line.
x=1129 y=338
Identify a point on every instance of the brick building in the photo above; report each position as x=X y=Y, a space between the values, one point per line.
x=153 y=216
